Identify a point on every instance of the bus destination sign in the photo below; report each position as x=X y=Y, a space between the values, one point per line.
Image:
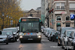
x=29 y=19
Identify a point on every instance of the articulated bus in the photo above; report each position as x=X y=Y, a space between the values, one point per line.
x=29 y=29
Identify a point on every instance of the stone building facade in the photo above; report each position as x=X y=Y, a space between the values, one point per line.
x=34 y=13
x=60 y=16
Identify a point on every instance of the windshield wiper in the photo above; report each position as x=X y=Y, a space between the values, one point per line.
x=23 y=31
x=35 y=30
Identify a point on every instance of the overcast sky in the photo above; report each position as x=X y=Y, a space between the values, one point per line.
x=30 y=4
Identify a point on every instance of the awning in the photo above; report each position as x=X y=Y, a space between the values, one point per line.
x=58 y=23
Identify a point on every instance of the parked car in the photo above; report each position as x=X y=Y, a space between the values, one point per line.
x=49 y=32
x=46 y=32
x=55 y=36
x=11 y=36
x=4 y=38
x=51 y=35
x=14 y=30
x=65 y=37
x=71 y=41
x=42 y=27
x=62 y=30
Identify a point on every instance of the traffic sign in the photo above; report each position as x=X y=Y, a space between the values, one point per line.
x=72 y=16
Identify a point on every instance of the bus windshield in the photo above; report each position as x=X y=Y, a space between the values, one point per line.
x=29 y=27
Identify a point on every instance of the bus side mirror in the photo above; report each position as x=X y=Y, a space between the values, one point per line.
x=18 y=31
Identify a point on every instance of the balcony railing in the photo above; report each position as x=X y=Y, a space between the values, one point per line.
x=59 y=9
x=71 y=8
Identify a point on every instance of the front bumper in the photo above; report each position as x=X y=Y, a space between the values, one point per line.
x=29 y=38
x=66 y=46
x=36 y=39
x=11 y=39
x=3 y=41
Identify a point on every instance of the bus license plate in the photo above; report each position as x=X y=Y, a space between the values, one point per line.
x=30 y=39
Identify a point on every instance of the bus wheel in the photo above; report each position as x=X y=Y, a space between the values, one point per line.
x=39 y=41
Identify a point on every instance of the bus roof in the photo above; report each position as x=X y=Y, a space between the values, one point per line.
x=29 y=17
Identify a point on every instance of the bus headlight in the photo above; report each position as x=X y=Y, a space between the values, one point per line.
x=21 y=36
x=39 y=36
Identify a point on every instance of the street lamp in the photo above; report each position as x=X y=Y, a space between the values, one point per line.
x=14 y=20
x=3 y=20
x=9 y=21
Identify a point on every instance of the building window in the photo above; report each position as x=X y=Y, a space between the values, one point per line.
x=72 y=6
x=67 y=24
x=58 y=18
x=67 y=18
x=60 y=6
x=57 y=5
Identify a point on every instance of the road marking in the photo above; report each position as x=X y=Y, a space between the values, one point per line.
x=55 y=46
x=17 y=39
x=21 y=47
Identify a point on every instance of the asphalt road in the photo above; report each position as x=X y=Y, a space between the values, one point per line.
x=44 y=45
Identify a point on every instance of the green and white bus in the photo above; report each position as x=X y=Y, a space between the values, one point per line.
x=29 y=29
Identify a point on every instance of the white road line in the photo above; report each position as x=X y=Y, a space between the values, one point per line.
x=55 y=46
x=17 y=39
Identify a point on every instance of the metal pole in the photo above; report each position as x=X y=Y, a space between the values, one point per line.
x=9 y=22
x=15 y=23
x=52 y=21
x=74 y=22
x=74 y=19
x=3 y=22
x=49 y=21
